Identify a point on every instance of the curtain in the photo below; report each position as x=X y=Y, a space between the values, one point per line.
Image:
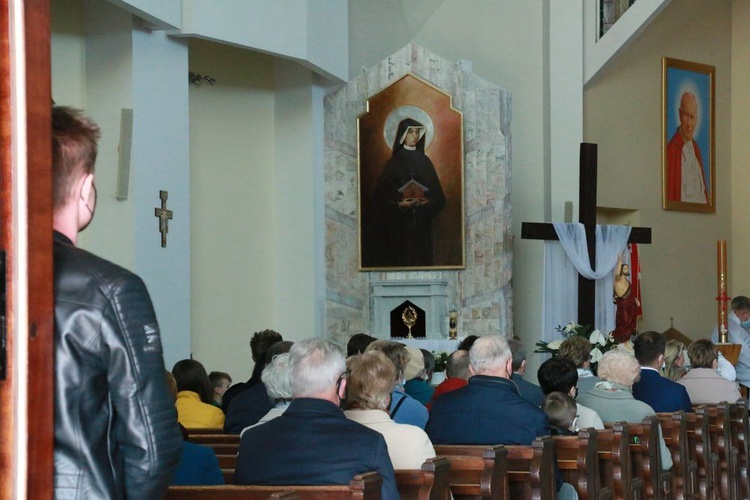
x=565 y=259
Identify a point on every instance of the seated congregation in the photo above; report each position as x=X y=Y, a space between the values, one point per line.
x=331 y=426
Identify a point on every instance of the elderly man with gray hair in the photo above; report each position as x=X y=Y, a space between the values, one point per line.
x=489 y=410
x=313 y=443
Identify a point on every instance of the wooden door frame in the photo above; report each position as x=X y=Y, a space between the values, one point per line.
x=26 y=417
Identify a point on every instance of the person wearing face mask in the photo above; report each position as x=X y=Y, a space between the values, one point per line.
x=490 y=410
x=738 y=323
x=116 y=431
x=313 y=442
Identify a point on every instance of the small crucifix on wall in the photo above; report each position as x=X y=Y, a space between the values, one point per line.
x=164 y=215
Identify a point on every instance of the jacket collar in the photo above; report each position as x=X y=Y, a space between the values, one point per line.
x=300 y=405
x=61 y=238
x=496 y=382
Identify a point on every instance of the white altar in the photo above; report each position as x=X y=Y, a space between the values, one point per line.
x=432 y=345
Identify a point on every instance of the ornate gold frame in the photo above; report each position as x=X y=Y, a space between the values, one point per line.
x=446 y=152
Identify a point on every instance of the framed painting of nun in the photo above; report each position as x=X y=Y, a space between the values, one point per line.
x=411 y=179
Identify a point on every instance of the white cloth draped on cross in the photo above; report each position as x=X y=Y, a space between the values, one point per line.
x=568 y=257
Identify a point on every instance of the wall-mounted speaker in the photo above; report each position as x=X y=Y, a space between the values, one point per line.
x=124 y=150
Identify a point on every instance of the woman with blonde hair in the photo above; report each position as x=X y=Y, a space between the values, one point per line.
x=369 y=387
x=674 y=360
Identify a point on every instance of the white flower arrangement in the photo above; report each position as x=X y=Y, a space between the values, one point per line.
x=600 y=342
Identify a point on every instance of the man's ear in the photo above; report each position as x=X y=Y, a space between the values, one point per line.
x=522 y=368
x=342 y=389
x=661 y=360
x=471 y=370
x=86 y=186
x=509 y=367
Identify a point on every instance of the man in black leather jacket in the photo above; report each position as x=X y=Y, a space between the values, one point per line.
x=116 y=432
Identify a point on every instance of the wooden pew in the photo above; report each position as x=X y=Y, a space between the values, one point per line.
x=699 y=448
x=646 y=459
x=684 y=467
x=227 y=461
x=721 y=443
x=209 y=439
x=578 y=462
x=740 y=423
x=222 y=444
x=531 y=470
x=361 y=487
x=613 y=447
x=477 y=472
x=431 y=482
x=204 y=430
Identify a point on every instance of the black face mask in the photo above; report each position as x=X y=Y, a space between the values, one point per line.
x=342 y=399
x=91 y=210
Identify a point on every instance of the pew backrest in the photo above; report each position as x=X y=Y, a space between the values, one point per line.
x=531 y=469
x=741 y=430
x=646 y=459
x=614 y=462
x=699 y=447
x=361 y=487
x=430 y=482
x=578 y=462
x=684 y=467
x=477 y=471
x=721 y=444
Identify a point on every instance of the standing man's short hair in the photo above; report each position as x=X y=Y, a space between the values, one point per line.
x=74 y=150
x=648 y=346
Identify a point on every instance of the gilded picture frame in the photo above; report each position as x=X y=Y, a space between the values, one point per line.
x=688 y=136
x=411 y=200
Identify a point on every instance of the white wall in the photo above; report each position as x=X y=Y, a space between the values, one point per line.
x=232 y=149
x=160 y=161
x=298 y=185
x=68 y=53
x=740 y=126
x=108 y=88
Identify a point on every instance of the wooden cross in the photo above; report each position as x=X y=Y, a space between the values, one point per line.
x=164 y=215
x=587 y=217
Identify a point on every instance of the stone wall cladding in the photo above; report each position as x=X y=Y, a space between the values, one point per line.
x=482 y=291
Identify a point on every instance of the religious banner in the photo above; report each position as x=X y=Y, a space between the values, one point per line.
x=411 y=197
